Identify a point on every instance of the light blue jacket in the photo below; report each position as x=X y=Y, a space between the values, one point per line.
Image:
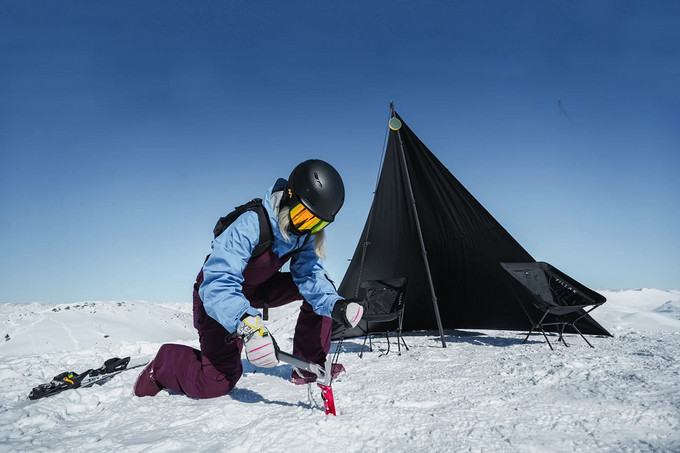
x=221 y=291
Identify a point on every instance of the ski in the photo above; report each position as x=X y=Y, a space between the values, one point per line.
x=72 y=380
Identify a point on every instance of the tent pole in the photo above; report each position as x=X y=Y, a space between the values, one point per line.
x=420 y=237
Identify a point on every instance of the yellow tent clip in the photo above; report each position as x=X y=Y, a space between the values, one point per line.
x=394 y=124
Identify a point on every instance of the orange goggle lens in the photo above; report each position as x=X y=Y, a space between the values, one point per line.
x=304 y=220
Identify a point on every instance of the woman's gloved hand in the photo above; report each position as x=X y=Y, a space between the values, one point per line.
x=347 y=312
x=258 y=342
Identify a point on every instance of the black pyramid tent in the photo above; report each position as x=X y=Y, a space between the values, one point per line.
x=464 y=247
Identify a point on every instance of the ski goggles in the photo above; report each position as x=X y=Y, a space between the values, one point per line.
x=304 y=220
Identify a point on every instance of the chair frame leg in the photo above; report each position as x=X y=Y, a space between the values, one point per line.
x=361 y=354
x=540 y=326
x=546 y=338
x=529 y=334
x=584 y=338
x=369 y=338
x=387 y=337
x=400 y=338
x=561 y=337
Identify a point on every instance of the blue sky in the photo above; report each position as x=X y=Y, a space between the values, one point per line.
x=128 y=128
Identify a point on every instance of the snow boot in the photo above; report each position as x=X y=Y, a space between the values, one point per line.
x=146 y=385
x=302 y=377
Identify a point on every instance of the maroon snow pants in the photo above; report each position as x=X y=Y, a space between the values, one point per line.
x=214 y=370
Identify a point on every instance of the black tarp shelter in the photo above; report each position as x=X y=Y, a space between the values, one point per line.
x=458 y=283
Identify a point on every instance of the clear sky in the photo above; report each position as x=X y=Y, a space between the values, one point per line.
x=128 y=128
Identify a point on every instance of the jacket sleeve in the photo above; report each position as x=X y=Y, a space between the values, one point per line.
x=312 y=281
x=221 y=290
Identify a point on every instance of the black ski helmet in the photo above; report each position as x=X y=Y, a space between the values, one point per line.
x=318 y=186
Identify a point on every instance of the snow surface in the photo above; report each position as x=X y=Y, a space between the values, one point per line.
x=485 y=392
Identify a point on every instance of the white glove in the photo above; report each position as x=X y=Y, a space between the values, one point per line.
x=258 y=342
x=347 y=313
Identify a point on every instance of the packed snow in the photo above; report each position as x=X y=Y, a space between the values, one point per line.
x=484 y=392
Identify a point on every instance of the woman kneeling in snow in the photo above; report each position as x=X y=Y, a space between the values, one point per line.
x=235 y=282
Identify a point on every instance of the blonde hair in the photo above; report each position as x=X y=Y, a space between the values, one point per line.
x=284 y=228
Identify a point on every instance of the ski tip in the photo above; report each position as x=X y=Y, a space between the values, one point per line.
x=138 y=361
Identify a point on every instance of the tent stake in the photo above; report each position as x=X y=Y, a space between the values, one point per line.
x=420 y=237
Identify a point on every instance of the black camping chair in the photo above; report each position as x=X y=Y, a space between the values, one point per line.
x=383 y=302
x=553 y=293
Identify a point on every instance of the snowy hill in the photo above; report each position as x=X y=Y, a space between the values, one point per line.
x=484 y=392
